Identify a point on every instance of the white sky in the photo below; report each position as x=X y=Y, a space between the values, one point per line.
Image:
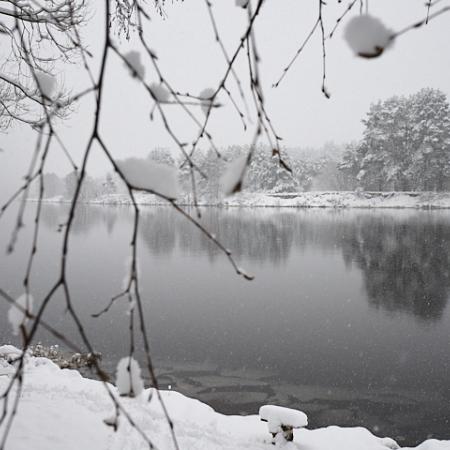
x=192 y=60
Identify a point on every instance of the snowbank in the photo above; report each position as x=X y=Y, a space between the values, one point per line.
x=341 y=199
x=59 y=409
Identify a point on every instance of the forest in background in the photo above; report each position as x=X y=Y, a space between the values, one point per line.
x=405 y=147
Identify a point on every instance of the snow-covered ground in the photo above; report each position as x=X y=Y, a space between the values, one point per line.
x=342 y=199
x=59 y=409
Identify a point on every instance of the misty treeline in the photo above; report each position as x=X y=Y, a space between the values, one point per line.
x=405 y=147
x=264 y=174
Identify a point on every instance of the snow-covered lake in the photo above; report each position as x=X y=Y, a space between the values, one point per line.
x=348 y=318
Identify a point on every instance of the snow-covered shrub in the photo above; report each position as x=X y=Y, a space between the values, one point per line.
x=367 y=36
x=128 y=377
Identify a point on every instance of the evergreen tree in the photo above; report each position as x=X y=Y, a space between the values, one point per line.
x=405 y=146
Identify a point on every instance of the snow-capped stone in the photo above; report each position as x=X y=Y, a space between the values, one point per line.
x=278 y=416
x=47 y=84
x=16 y=315
x=133 y=58
x=150 y=176
x=160 y=92
x=232 y=177
x=128 y=377
x=9 y=352
x=367 y=36
x=242 y=3
x=206 y=95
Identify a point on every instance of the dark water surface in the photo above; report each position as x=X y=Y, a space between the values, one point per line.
x=347 y=319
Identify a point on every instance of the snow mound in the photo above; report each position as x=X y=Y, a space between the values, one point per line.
x=276 y=416
x=9 y=352
x=160 y=92
x=128 y=377
x=133 y=58
x=47 y=84
x=16 y=316
x=232 y=177
x=367 y=36
x=150 y=176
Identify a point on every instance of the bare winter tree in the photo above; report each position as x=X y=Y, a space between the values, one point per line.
x=40 y=34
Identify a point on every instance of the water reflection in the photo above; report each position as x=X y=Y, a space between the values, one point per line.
x=158 y=231
x=404 y=257
x=406 y=265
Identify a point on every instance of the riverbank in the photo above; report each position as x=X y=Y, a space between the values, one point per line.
x=61 y=409
x=338 y=199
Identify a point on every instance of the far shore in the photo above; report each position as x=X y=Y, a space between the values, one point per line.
x=312 y=199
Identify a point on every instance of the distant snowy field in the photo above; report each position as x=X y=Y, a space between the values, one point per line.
x=59 y=409
x=313 y=199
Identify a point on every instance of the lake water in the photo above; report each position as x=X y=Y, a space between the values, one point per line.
x=348 y=318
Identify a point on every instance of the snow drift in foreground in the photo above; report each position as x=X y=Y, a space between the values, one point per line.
x=59 y=409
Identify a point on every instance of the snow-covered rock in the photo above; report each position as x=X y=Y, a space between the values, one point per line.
x=9 y=352
x=8 y=355
x=133 y=58
x=16 y=315
x=367 y=36
x=148 y=175
x=128 y=378
x=277 y=416
x=160 y=92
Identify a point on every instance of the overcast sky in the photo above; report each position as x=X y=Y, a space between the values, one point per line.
x=192 y=61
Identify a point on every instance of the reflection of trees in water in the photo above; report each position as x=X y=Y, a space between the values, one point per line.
x=157 y=229
x=251 y=236
x=86 y=217
x=52 y=216
x=405 y=259
x=405 y=264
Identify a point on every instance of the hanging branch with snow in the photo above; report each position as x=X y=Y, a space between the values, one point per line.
x=38 y=33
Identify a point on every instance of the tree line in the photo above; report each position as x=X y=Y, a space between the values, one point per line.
x=405 y=147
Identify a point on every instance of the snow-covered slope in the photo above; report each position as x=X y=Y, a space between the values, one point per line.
x=59 y=409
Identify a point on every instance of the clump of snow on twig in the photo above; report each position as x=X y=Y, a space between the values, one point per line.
x=17 y=314
x=367 y=36
x=128 y=377
x=206 y=96
x=151 y=176
x=232 y=178
x=46 y=83
x=160 y=92
x=133 y=58
x=242 y=3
